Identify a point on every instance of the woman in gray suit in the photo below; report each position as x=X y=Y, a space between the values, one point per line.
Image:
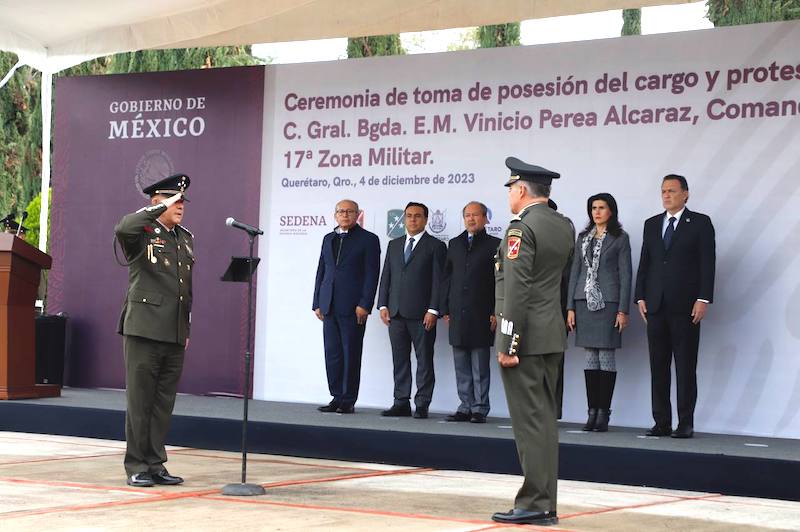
x=598 y=301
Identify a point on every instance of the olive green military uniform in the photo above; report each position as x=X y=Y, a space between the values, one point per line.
x=155 y=323
x=530 y=263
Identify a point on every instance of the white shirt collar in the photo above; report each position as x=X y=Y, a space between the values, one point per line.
x=416 y=237
x=677 y=215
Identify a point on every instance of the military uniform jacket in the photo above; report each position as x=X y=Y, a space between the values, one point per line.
x=158 y=303
x=529 y=266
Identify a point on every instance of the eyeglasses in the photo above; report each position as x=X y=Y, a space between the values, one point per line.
x=348 y=212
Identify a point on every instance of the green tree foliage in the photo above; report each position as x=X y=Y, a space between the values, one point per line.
x=734 y=12
x=374 y=46
x=31 y=224
x=498 y=35
x=20 y=136
x=165 y=60
x=631 y=22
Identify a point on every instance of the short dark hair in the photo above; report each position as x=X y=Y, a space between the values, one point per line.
x=679 y=178
x=415 y=204
x=484 y=208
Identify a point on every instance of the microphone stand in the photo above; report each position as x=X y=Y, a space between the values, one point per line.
x=244 y=488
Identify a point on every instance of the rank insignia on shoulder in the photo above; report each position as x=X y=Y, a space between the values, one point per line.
x=514 y=245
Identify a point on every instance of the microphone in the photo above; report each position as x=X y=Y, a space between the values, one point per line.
x=19 y=228
x=230 y=222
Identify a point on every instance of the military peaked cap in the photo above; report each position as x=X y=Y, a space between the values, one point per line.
x=174 y=184
x=528 y=172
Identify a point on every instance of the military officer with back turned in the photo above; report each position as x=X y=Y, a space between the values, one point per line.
x=531 y=335
x=155 y=323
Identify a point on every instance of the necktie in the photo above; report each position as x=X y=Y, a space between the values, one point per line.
x=409 y=249
x=470 y=238
x=669 y=232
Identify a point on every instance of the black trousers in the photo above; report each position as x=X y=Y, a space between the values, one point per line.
x=673 y=335
x=344 y=341
x=152 y=370
x=402 y=334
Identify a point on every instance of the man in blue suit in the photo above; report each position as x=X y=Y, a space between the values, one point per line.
x=344 y=292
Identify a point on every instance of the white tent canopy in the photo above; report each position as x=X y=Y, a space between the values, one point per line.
x=54 y=34
x=51 y=35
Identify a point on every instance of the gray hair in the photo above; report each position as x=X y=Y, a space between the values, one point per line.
x=348 y=201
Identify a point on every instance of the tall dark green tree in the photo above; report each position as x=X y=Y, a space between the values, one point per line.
x=498 y=35
x=734 y=12
x=374 y=46
x=20 y=137
x=631 y=22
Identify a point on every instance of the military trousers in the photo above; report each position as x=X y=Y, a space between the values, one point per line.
x=531 y=393
x=152 y=370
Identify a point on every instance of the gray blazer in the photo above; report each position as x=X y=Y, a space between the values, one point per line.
x=614 y=272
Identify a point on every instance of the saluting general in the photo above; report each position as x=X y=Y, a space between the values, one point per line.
x=155 y=323
x=531 y=335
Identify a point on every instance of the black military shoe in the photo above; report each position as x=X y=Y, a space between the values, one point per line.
x=458 y=416
x=397 y=411
x=346 y=409
x=518 y=516
x=330 y=407
x=658 y=430
x=141 y=480
x=421 y=412
x=163 y=477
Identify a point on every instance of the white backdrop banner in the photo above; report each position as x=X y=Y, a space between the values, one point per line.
x=721 y=107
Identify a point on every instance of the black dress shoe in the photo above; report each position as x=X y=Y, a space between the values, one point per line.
x=421 y=412
x=682 y=432
x=517 y=516
x=458 y=416
x=163 y=477
x=658 y=430
x=141 y=480
x=477 y=417
x=330 y=407
x=397 y=411
x=346 y=409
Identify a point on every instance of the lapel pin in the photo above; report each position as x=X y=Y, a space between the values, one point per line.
x=157 y=230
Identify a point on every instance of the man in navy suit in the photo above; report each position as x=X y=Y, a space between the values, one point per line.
x=674 y=286
x=344 y=291
x=409 y=299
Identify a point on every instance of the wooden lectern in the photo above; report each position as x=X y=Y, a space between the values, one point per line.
x=20 y=270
